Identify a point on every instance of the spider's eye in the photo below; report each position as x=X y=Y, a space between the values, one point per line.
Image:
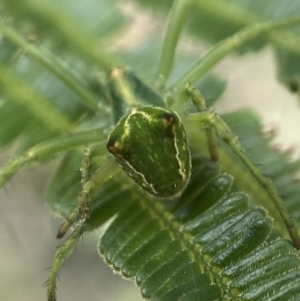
x=168 y=119
x=113 y=146
x=116 y=148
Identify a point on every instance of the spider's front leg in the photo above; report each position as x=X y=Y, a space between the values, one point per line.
x=82 y=209
x=216 y=125
x=61 y=255
x=91 y=184
x=67 y=248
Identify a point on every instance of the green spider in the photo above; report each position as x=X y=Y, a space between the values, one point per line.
x=149 y=143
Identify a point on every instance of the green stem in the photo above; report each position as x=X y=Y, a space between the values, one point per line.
x=54 y=65
x=236 y=16
x=227 y=46
x=48 y=149
x=173 y=30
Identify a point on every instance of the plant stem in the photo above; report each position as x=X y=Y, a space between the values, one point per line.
x=173 y=30
x=48 y=149
x=238 y=16
x=227 y=46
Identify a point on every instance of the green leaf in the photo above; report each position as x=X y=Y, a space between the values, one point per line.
x=174 y=250
x=276 y=165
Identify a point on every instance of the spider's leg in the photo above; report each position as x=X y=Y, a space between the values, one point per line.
x=85 y=175
x=89 y=189
x=86 y=165
x=61 y=255
x=212 y=142
x=213 y=120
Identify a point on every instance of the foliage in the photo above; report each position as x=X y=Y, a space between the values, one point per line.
x=215 y=242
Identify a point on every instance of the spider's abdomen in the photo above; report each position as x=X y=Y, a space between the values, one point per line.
x=150 y=144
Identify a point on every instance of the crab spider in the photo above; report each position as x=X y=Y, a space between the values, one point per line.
x=150 y=144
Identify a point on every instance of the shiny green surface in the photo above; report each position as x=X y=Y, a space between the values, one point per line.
x=150 y=145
